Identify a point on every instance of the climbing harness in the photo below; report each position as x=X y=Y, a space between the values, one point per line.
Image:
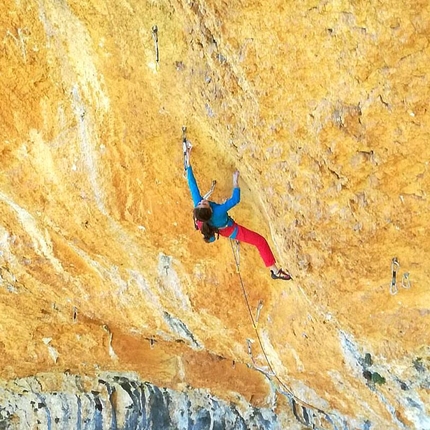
x=155 y=37
x=271 y=373
x=395 y=265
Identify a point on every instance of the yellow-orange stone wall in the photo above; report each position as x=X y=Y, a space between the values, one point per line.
x=321 y=105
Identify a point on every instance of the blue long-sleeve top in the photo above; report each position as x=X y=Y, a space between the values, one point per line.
x=220 y=217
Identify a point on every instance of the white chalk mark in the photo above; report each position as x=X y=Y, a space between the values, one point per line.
x=41 y=241
x=85 y=133
x=111 y=351
x=19 y=41
x=22 y=42
x=52 y=351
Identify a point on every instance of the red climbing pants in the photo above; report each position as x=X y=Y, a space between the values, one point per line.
x=252 y=238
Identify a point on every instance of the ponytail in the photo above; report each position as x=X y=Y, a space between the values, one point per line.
x=208 y=231
x=201 y=222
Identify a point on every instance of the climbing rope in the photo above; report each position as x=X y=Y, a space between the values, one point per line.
x=236 y=256
x=285 y=388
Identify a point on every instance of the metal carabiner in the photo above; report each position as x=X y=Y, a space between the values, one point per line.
x=257 y=314
x=155 y=37
x=394 y=267
x=406 y=282
x=186 y=147
x=209 y=193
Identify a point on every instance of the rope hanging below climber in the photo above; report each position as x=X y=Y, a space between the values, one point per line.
x=272 y=374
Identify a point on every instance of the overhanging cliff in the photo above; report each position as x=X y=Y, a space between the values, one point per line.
x=322 y=106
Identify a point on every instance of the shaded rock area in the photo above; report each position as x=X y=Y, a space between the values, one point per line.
x=323 y=106
x=121 y=402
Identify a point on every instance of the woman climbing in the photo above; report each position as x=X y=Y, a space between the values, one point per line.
x=212 y=218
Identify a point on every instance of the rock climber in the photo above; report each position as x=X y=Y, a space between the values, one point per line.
x=212 y=218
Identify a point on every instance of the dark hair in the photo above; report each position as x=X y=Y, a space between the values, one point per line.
x=204 y=215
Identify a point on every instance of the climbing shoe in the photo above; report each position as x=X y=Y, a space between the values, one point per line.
x=280 y=274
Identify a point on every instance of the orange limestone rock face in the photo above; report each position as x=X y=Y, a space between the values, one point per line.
x=321 y=106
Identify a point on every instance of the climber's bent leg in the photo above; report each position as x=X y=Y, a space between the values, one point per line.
x=253 y=238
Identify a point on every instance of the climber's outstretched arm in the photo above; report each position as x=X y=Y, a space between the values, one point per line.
x=192 y=184
x=235 y=197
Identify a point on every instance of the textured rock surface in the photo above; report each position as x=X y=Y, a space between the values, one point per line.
x=323 y=106
x=121 y=401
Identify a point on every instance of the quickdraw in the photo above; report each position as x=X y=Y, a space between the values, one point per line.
x=406 y=282
x=209 y=193
x=186 y=147
x=395 y=265
x=155 y=37
x=257 y=314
